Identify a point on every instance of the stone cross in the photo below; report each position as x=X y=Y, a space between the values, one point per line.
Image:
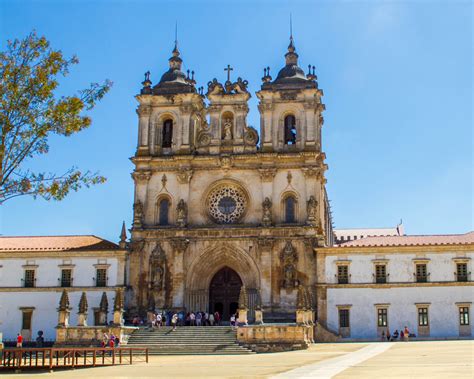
x=228 y=69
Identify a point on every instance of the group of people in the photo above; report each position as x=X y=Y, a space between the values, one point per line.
x=175 y=319
x=110 y=341
x=404 y=335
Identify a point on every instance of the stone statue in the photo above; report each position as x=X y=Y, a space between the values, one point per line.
x=289 y=258
x=157 y=268
x=227 y=129
x=182 y=213
x=311 y=208
x=267 y=212
x=137 y=214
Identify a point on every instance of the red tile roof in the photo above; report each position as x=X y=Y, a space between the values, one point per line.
x=55 y=243
x=448 y=239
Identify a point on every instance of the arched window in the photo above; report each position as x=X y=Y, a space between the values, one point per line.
x=290 y=210
x=167 y=133
x=163 y=210
x=290 y=130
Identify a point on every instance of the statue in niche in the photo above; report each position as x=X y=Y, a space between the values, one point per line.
x=227 y=129
x=157 y=268
x=311 y=209
x=182 y=213
x=267 y=212
x=138 y=213
x=289 y=258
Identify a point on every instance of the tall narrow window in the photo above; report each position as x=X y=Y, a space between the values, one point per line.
x=464 y=315
x=343 y=274
x=380 y=274
x=26 y=320
x=343 y=318
x=164 y=207
x=167 y=133
x=421 y=273
x=461 y=272
x=422 y=316
x=290 y=203
x=66 y=277
x=101 y=277
x=382 y=317
x=290 y=130
x=30 y=278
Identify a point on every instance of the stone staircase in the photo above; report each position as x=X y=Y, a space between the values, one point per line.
x=188 y=340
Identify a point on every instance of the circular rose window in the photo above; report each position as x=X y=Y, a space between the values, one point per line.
x=227 y=204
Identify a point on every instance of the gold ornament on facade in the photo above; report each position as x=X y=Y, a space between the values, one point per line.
x=184 y=175
x=267 y=174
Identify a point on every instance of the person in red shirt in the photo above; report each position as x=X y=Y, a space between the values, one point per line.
x=19 y=340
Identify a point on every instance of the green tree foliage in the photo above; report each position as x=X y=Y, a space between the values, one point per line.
x=30 y=112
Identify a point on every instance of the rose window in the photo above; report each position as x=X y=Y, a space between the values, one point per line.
x=227 y=204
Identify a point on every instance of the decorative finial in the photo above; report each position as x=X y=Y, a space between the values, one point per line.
x=123 y=237
x=228 y=69
x=83 y=306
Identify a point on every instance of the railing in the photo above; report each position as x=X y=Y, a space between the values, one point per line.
x=50 y=358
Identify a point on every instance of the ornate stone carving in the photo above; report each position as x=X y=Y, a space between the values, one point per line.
x=289 y=177
x=180 y=244
x=227 y=204
x=157 y=269
x=141 y=176
x=311 y=172
x=243 y=298
x=104 y=303
x=319 y=228
x=137 y=214
x=262 y=107
x=301 y=299
x=83 y=306
x=227 y=129
x=311 y=208
x=136 y=246
x=289 y=258
x=119 y=300
x=203 y=139
x=226 y=162
x=250 y=136
x=267 y=174
x=181 y=213
x=267 y=212
x=289 y=95
x=184 y=175
x=265 y=243
x=164 y=180
x=143 y=110
x=64 y=301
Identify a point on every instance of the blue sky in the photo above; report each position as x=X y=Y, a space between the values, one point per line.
x=397 y=79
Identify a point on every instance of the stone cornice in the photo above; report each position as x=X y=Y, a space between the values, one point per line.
x=395 y=285
x=358 y=250
x=59 y=289
x=311 y=161
x=119 y=254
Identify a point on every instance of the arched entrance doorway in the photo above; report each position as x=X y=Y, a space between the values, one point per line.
x=224 y=292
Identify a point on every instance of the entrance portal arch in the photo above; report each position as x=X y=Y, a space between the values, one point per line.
x=211 y=263
x=224 y=292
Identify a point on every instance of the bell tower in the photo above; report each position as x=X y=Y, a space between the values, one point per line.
x=290 y=108
x=170 y=113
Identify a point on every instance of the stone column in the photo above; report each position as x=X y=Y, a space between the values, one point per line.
x=301 y=311
x=144 y=113
x=64 y=310
x=118 y=307
x=83 y=311
x=243 y=306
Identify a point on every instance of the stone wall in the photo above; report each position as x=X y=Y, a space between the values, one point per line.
x=90 y=335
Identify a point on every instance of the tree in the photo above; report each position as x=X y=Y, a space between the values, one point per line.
x=30 y=112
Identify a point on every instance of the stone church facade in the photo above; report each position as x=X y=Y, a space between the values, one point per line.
x=214 y=207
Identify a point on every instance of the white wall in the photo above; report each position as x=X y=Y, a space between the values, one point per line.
x=443 y=311
x=48 y=271
x=400 y=266
x=45 y=316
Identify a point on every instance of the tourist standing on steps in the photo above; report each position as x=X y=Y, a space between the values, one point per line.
x=198 y=318
x=211 y=319
x=158 y=320
x=174 y=321
x=217 y=318
x=192 y=319
x=232 y=320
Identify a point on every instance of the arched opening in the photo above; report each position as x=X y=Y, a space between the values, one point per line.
x=167 y=137
x=290 y=130
x=290 y=209
x=163 y=211
x=224 y=292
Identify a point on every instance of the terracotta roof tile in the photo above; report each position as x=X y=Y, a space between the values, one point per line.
x=448 y=239
x=55 y=243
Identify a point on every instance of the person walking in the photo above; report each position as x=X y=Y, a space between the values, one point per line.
x=174 y=321
x=19 y=340
x=105 y=340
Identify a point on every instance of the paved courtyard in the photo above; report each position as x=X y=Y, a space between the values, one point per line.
x=438 y=359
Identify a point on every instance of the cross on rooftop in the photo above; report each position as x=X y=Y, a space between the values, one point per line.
x=228 y=69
